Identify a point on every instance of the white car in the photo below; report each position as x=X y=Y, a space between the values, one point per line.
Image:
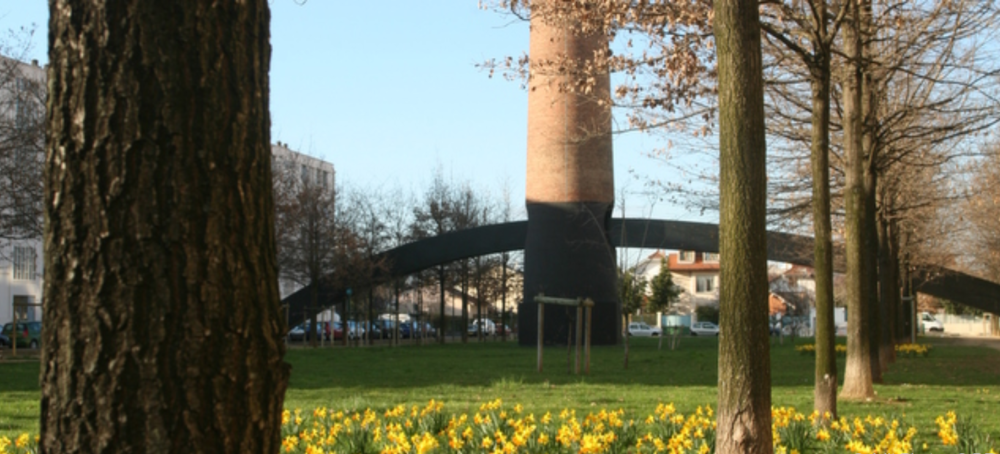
x=928 y=323
x=642 y=330
x=704 y=329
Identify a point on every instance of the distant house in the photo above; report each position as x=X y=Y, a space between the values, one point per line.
x=695 y=273
x=793 y=289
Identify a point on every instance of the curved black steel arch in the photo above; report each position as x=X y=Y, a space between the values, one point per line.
x=641 y=233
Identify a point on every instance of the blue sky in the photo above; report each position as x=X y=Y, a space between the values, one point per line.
x=387 y=90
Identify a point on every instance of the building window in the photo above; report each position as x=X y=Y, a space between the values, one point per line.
x=712 y=257
x=686 y=257
x=305 y=174
x=24 y=263
x=706 y=284
x=326 y=179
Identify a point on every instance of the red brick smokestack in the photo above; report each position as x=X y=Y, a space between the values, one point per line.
x=570 y=184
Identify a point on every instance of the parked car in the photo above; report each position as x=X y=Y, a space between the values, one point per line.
x=929 y=323
x=4 y=341
x=640 y=329
x=302 y=331
x=27 y=334
x=405 y=330
x=386 y=327
x=424 y=329
x=704 y=329
x=375 y=330
x=355 y=330
x=488 y=326
x=501 y=329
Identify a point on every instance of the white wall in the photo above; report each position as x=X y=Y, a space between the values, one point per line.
x=9 y=287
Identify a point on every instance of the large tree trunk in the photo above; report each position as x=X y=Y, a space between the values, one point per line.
x=887 y=286
x=825 y=392
x=858 y=371
x=900 y=282
x=869 y=100
x=163 y=331
x=625 y=338
x=744 y=412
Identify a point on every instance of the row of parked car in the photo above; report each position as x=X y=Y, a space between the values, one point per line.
x=27 y=335
x=380 y=329
x=640 y=329
x=488 y=327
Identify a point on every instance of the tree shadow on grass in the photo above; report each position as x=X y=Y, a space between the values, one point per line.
x=695 y=363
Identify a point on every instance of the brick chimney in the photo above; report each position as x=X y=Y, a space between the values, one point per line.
x=570 y=186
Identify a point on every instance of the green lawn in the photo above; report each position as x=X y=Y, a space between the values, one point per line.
x=954 y=377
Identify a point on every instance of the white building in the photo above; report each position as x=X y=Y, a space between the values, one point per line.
x=695 y=273
x=310 y=170
x=305 y=170
x=22 y=114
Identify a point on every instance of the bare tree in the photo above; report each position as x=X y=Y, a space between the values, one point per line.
x=432 y=217
x=465 y=214
x=368 y=208
x=22 y=141
x=306 y=224
x=397 y=215
x=807 y=32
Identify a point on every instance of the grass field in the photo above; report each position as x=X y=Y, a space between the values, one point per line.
x=956 y=377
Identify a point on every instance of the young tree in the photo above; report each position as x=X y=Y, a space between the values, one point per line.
x=466 y=215
x=162 y=327
x=805 y=29
x=744 y=411
x=631 y=292
x=368 y=208
x=434 y=217
x=397 y=214
x=663 y=294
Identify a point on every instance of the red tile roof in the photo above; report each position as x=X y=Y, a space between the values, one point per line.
x=698 y=265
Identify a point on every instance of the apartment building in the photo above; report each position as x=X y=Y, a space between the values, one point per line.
x=293 y=171
x=22 y=112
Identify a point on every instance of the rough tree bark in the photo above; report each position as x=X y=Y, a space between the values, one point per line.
x=887 y=286
x=744 y=412
x=858 y=371
x=869 y=232
x=163 y=331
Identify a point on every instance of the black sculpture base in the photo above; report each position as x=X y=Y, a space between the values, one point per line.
x=568 y=254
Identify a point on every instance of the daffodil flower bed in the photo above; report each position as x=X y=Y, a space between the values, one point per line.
x=913 y=349
x=810 y=349
x=497 y=428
